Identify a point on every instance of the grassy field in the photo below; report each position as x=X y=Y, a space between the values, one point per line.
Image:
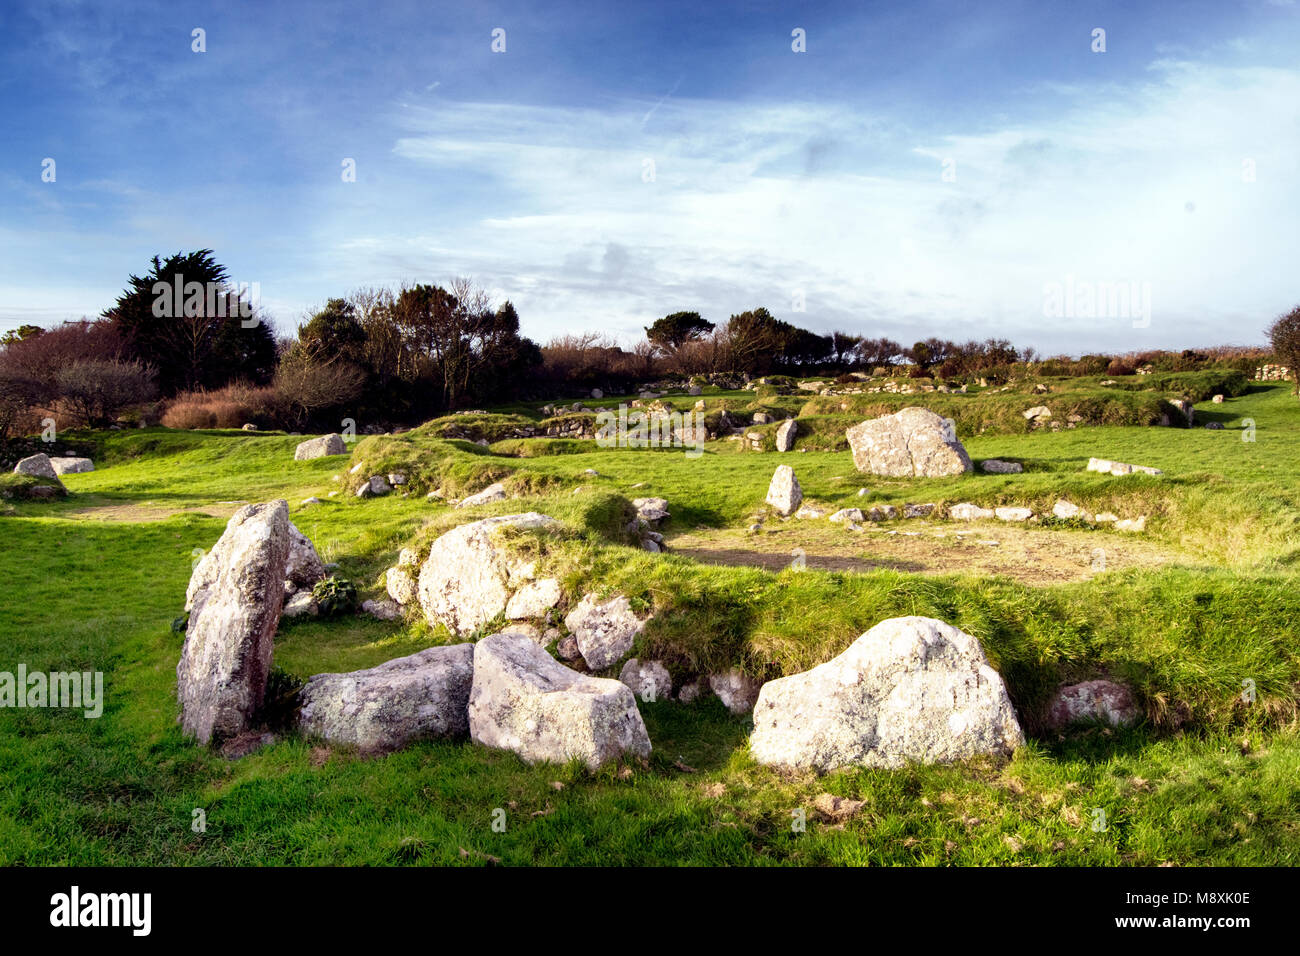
x=1204 y=600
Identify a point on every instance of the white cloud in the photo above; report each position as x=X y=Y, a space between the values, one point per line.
x=736 y=216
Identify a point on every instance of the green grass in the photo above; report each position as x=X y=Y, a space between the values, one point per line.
x=92 y=582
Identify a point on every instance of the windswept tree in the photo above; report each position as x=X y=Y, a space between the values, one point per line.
x=22 y=332
x=334 y=333
x=673 y=331
x=183 y=318
x=755 y=341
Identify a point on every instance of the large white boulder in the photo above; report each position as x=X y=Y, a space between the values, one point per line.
x=525 y=701
x=38 y=465
x=420 y=697
x=320 y=447
x=235 y=597
x=472 y=572
x=911 y=689
x=913 y=442
x=72 y=466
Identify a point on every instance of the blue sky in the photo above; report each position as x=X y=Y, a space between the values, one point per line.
x=778 y=177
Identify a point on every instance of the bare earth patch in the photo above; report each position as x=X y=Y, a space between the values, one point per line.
x=149 y=511
x=1027 y=554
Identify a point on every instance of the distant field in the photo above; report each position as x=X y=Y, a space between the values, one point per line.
x=1206 y=598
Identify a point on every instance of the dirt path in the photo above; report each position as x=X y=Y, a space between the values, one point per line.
x=1030 y=555
x=149 y=511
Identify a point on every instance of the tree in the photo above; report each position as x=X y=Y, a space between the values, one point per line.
x=672 y=331
x=334 y=332
x=844 y=349
x=20 y=333
x=878 y=352
x=183 y=317
x=755 y=341
x=1284 y=334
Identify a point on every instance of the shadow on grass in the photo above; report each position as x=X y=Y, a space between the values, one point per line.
x=702 y=735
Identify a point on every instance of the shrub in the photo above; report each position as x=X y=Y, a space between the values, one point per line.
x=96 y=390
x=20 y=393
x=308 y=387
x=231 y=407
x=335 y=596
x=1120 y=367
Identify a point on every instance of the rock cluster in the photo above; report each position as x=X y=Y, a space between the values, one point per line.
x=472 y=571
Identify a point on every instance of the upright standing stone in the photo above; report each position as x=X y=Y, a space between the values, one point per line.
x=785 y=435
x=784 y=493
x=235 y=604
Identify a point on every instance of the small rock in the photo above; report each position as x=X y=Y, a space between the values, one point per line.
x=997 y=466
x=847 y=514
x=1065 y=510
x=649 y=680
x=72 y=466
x=302 y=604
x=534 y=599
x=384 y=610
x=736 y=689
x=1102 y=700
x=493 y=492
x=604 y=631
x=1013 y=514
x=1109 y=467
